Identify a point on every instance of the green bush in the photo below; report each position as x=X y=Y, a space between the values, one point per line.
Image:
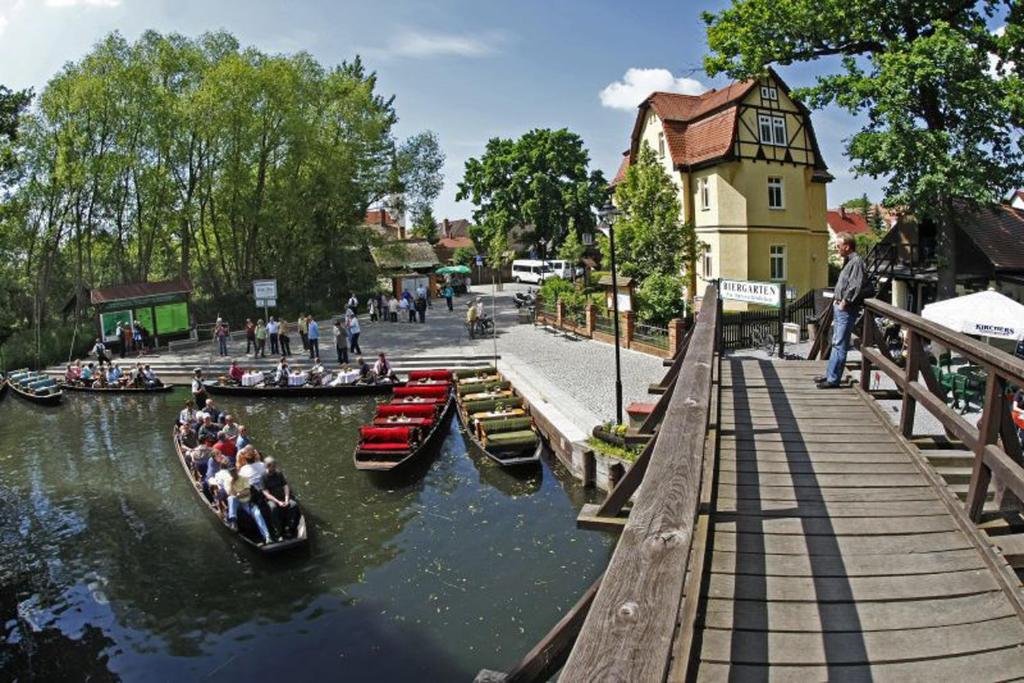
x=55 y=341
x=464 y=256
x=660 y=299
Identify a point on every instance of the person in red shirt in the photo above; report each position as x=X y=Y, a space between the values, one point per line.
x=226 y=447
x=250 y=335
x=235 y=372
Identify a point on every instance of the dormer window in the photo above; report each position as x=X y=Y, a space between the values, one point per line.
x=772 y=129
x=769 y=93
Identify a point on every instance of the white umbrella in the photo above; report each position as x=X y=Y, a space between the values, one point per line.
x=987 y=314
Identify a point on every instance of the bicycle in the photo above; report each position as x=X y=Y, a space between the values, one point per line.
x=763 y=340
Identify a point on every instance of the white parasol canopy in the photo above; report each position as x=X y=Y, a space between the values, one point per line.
x=988 y=314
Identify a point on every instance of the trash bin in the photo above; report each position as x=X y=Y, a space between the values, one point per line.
x=791 y=333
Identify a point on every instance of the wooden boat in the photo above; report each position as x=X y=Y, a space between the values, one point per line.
x=3 y=386
x=117 y=390
x=411 y=425
x=269 y=390
x=35 y=387
x=496 y=419
x=247 y=531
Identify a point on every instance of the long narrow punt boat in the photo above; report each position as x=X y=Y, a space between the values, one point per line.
x=247 y=531
x=304 y=391
x=496 y=419
x=35 y=387
x=3 y=386
x=409 y=426
x=116 y=390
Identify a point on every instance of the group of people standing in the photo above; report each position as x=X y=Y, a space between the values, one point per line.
x=277 y=332
x=414 y=305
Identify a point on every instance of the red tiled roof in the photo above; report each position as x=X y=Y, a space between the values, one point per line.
x=675 y=107
x=620 y=175
x=455 y=242
x=847 y=221
x=373 y=217
x=998 y=232
x=139 y=290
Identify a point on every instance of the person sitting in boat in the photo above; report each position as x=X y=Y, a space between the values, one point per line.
x=382 y=370
x=251 y=467
x=214 y=412
x=207 y=428
x=235 y=372
x=72 y=375
x=230 y=427
x=238 y=491
x=198 y=388
x=114 y=375
x=277 y=494
x=187 y=416
x=200 y=458
x=136 y=379
x=187 y=437
x=281 y=374
x=366 y=375
x=226 y=447
x=87 y=375
x=150 y=378
x=243 y=437
x=316 y=373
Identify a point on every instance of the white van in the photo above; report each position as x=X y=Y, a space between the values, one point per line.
x=529 y=270
x=561 y=268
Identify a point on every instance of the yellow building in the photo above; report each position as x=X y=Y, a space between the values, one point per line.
x=750 y=179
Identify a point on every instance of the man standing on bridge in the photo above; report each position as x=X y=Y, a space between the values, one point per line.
x=848 y=297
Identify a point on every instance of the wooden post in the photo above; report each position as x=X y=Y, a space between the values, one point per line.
x=988 y=432
x=675 y=336
x=591 y=314
x=867 y=338
x=914 y=361
x=628 y=319
x=559 y=313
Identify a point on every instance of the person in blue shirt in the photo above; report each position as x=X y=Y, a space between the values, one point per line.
x=314 y=338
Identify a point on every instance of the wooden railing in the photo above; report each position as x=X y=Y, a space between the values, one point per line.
x=997 y=451
x=628 y=632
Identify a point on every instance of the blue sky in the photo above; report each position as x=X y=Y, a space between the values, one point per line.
x=469 y=70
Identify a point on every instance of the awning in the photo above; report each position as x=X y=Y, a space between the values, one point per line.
x=986 y=314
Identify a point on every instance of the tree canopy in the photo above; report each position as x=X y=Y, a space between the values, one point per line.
x=941 y=91
x=197 y=157
x=541 y=180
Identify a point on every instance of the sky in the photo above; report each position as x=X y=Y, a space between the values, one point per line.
x=468 y=70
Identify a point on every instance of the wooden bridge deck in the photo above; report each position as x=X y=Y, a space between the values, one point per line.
x=833 y=552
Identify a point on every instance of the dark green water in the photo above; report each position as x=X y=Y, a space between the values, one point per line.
x=109 y=567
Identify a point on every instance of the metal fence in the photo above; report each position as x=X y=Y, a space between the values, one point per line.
x=604 y=324
x=738 y=328
x=652 y=335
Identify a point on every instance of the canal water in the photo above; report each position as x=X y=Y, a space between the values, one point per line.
x=110 y=568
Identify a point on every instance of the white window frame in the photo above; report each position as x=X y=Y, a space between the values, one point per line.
x=704 y=194
x=661 y=145
x=772 y=130
x=769 y=93
x=777 y=182
x=707 y=264
x=588 y=238
x=777 y=255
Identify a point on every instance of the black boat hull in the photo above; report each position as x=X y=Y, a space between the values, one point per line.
x=39 y=399
x=301 y=392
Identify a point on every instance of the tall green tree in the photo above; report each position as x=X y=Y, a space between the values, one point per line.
x=941 y=91
x=650 y=238
x=540 y=180
x=424 y=225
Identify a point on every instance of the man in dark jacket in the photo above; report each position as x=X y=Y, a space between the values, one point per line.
x=848 y=298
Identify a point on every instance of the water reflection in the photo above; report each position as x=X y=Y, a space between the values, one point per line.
x=431 y=575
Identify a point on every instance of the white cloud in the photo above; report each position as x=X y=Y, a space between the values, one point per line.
x=88 y=3
x=637 y=84
x=415 y=43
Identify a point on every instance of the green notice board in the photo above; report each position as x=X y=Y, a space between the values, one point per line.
x=171 y=318
x=109 y=323
x=145 y=318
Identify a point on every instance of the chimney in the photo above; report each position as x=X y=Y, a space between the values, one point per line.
x=842 y=212
x=447 y=228
x=401 y=231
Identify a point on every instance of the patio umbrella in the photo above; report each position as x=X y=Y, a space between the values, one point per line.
x=454 y=270
x=988 y=314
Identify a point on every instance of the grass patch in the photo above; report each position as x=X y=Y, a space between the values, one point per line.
x=612 y=451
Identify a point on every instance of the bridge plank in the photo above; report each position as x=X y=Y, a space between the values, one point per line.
x=839 y=526
x=839 y=545
x=801 y=466
x=784 y=508
x=753 y=453
x=816 y=494
x=821 y=481
x=854 y=565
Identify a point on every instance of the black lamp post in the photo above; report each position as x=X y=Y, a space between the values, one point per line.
x=608 y=216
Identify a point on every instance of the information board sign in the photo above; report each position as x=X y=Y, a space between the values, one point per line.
x=145 y=318
x=264 y=289
x=172 y=318
x=753 y=292
x=108 y=321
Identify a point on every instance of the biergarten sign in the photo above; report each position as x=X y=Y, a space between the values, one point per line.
x=753 y=292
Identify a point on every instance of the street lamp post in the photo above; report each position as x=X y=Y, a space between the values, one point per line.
x=608 y=216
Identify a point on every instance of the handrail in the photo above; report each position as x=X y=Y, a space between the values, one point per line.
x=997 y=451
x=628 y=632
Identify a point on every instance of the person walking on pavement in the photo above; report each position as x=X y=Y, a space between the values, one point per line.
x=421 y=308
x=283 y=340
x=261 y=339
x=340 y=343
x=449 y=294
x=353 y=302
x=303 y=326
x=314 y=338
x=250 y=336
x=272 y=331
x=393 y=309
x=848 y=298
x=353 y=334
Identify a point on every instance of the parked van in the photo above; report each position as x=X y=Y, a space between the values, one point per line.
x=529 y=270
x=561 y=268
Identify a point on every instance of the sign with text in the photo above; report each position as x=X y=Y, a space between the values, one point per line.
x=264 y=289
x=763 y=293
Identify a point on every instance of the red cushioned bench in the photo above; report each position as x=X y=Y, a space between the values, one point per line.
x=415 y=375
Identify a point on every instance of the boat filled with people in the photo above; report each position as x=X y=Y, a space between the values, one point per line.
x=409 y=426
x=35 y=387
x=496 y=419
x=289 y=380
x=244 y=489
x=112 y=379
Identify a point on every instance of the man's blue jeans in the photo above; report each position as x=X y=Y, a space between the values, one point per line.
x=250 y=509
x=842 y=327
